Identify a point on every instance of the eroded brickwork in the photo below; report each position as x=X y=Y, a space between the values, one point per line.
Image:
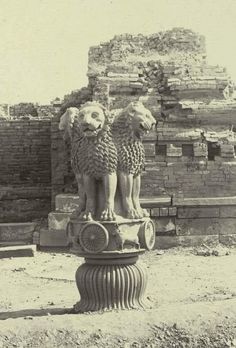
x=192 y=151
x=25 y=171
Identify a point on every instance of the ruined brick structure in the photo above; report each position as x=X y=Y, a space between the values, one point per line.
x=189 y=181
x=192 y=151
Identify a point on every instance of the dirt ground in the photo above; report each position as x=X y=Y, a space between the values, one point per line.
x=192 y=303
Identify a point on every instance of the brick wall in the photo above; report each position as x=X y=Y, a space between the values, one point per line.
x=189 y=163
x=25 y=171
x=192 y=151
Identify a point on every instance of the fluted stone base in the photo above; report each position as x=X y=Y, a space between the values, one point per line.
x=110 y=284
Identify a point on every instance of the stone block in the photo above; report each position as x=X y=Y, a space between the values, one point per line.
x=165 y=225
x=227 y=150
x=36 y=238
x=198 y=212
x=153 y=202
x=166 y=242
x=66 y=202
x=155 y=212
x=204 y=201
x=58 y=221
x=53 y=238
x=164 y=211
x=172 y=211
x=228 y=211
x=17 y=231
x=150 y=149
x=227 y=226
x=55 y=235
x=228 y=239
x=202 y=226
x=17 y=251
x=200 y=150
x=174 y=151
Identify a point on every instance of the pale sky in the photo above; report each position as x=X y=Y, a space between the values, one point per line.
x=44 y=43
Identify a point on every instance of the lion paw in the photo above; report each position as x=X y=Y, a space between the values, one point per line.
x=131 y=214
x=76 y=213
x=108 y=215
x=86 y=216
x=140 y=213
x=145 y=213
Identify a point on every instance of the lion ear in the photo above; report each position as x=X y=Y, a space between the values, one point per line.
x=67 y=119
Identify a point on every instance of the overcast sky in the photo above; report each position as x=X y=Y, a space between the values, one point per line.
x=44 y=43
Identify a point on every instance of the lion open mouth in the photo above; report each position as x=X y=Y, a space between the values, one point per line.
x=144 y=128
x=91 y=130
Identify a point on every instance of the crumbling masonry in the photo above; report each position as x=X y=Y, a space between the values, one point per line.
x=189 y=182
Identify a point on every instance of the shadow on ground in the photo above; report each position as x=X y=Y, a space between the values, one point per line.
x=30 y=313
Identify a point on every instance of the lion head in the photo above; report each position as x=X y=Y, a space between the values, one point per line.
x=140 y=119
x=136 y=118
x=91 y=119
x=88 y=121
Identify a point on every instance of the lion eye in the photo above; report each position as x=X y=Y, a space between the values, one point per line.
x=94 y=115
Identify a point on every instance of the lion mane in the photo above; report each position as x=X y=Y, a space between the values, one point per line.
x=96 y=156
x=130 y=150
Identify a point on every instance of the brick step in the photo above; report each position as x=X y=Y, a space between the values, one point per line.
x=17 y=251
x=69 y=202
x=21 y=232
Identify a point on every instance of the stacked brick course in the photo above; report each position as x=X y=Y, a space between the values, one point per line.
x=191 y=153
x=25 y=171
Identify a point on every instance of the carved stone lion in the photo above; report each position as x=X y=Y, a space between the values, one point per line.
x=128 y=128
x=93 y=159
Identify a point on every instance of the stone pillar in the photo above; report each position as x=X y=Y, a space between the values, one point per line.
x=111 y=277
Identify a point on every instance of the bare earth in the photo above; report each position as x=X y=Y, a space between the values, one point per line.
x=192 y=303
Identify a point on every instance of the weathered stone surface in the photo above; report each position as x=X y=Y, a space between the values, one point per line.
x=58 y=221
x=152 y=202
x=25 y=171
x=17 y=231
x=24 y=210
x=198 y=212
x=228 y=211
x=227 y=150
x=165 y=226
x=172 y=211
x=227 y=225
x=150 y=149
x=228 y=239
x=200 y=149
x=174 y=151
x=17 y=251
x=53 y=238
x=197 y=226
x=205 y=201
x=164 y=211
x=154 y=212
x=55 y=235
x=166 y=242
x=66 y=202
